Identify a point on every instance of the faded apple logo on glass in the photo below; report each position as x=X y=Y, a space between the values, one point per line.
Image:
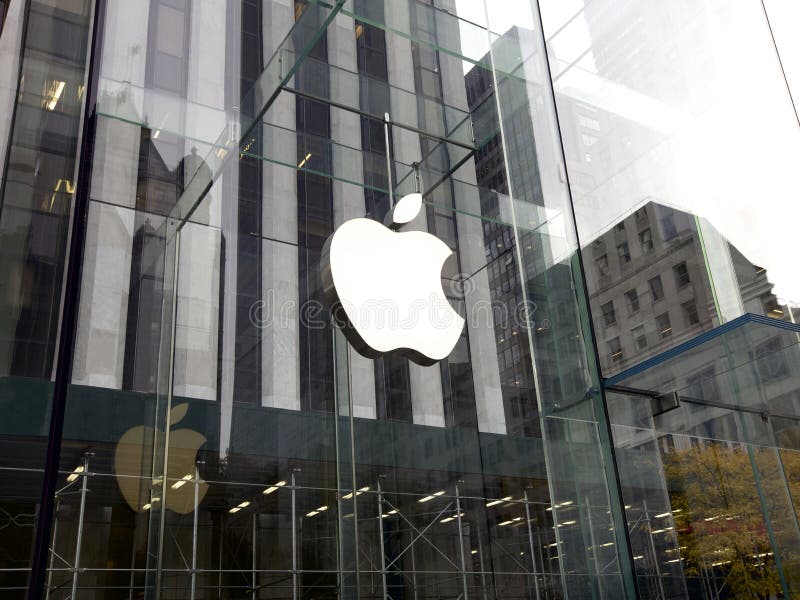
x=385 y=287
x=133 y=466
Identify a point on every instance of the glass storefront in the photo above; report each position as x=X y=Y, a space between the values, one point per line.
x=618 y=417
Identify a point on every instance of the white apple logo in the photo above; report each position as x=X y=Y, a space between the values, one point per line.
x=385 y=287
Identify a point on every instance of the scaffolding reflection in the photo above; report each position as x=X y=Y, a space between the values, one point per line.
x=438 y=544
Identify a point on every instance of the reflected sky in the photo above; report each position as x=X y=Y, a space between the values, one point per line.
x=693 y=117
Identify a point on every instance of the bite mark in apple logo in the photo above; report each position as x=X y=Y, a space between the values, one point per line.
x=385 y=287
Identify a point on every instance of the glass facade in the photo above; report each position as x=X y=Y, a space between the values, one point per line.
x=181 y=416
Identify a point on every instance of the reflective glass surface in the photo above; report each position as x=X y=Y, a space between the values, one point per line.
x=709 y=478
x=677 y=142
x=618 y=416
x=252 y=450
x=43 y=49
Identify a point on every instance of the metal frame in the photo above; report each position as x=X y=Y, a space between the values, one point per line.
x=449 y=506
x=69 y=316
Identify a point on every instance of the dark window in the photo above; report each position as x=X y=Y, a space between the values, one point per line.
x=664 y=325
x=656 y=288
x=681 y=274
x=602 y=265
x=646 y=240
x=247 y=367
x=315 y=221
x=668 y=228
x=621 y=226
x=371 y=47
x=639 y=337
x=624 y=253
x=426 y=72
x=632 y=296
x=703 y=385
x=609 y=314
x=771 y=306
x=615 y=349
x=431 y=85
x=690 y=313
x=427 y=56
x=313 y=119
x=140 y=365
x=372 y=138
x=770 y=360
x=315 y=224
x=641 y=214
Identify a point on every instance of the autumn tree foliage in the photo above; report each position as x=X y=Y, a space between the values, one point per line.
x=732 y=507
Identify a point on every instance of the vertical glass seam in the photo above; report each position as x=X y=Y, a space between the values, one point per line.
x=523 y=288
x=70 y=305
x=627 y=569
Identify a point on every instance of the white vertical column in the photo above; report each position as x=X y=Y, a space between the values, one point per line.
x=348 y=199
x=478 y=300
x=100 y=342
x=427 y=398
x=10 y=48
x=279 y=316
x=214 y=74
x=482 y=343
x=197 y=318
x=199 y=267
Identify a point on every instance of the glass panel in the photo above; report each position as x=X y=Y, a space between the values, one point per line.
x=710 y=520
x=706 y=489
x=646 y=96
x=43 y=60
x=224 y=438
x=339 y=86
x=582 y=478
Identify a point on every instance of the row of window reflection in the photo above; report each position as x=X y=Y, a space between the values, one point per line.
x=656 y=288
x=663 y=326
x=624 y=254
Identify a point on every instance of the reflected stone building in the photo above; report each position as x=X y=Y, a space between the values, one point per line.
x=651 y=288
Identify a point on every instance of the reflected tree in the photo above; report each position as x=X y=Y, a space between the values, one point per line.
x=721 y=531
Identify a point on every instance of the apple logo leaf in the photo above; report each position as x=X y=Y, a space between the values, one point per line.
x=177 y=413
x=406 y=209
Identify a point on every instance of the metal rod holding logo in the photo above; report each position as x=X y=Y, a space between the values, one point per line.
x=386 y=124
